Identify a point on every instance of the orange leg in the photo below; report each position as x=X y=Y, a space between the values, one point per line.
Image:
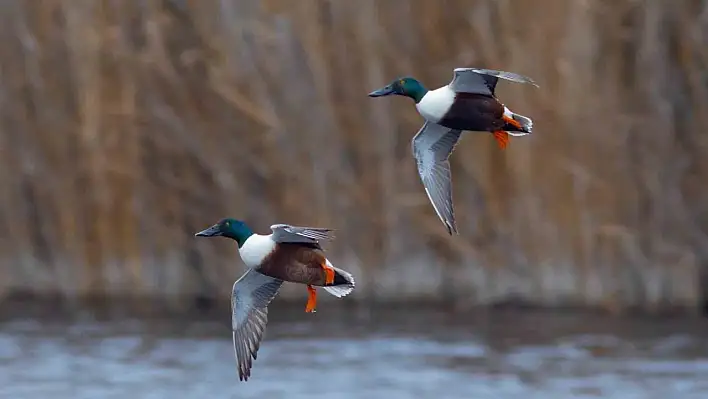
x=502 y=138
x=329 y=274
x=511 y=121
x=311 y=299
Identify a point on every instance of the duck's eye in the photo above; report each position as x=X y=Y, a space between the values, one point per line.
x=401 y=82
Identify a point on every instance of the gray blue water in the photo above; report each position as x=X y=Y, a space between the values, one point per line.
x=344 y=353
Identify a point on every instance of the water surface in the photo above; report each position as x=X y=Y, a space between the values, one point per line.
x=400 y=353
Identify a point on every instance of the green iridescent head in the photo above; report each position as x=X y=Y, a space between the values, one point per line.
x=406 y=86
x=235 y=229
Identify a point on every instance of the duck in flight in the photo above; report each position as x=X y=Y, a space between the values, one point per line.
x=467 y=103
x=289 y=253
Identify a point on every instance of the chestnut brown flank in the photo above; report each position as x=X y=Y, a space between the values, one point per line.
x=475 y=112
x=295 y=263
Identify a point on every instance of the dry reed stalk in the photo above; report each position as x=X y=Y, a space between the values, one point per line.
x=127 y=128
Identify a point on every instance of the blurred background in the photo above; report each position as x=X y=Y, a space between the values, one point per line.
x=127 y=126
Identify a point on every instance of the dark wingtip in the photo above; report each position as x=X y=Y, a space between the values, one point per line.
x=531 y=81
x=451 y=228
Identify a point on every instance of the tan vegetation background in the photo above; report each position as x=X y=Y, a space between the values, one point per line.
x=127 y=126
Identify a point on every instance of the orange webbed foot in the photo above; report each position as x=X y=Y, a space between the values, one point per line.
x=502 y=138
x=311 y=299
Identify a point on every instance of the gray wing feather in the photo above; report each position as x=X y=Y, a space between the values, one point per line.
x=432 y=146
x=250 y=297
x=483 y=81
x=288 y=233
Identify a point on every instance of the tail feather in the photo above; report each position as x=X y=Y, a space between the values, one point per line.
x=343 y=282
x=526 y=123
x=339 y=290
x=517 y=125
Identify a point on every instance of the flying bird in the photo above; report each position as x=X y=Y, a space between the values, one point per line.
x=289 y=253
x=467 y=103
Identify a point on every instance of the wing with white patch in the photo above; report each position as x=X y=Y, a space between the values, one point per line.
x=250 y=297
x=287 y=233
x=432 y=146
x=483 y=81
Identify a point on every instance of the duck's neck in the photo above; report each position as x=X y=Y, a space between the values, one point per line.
x=417 y=92
x=239 y=235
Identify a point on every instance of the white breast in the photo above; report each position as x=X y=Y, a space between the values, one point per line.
x=436 y=103
x=255 y=249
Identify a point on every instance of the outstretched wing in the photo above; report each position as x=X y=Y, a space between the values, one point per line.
x=250 y=297
x=432 y=146
x=483 y=81
x=309 y=235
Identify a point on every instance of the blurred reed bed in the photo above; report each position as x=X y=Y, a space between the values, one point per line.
x=128 y=126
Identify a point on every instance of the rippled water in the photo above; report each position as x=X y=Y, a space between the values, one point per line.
x=346 y=353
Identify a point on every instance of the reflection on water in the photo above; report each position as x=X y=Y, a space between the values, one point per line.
x=344 y=353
